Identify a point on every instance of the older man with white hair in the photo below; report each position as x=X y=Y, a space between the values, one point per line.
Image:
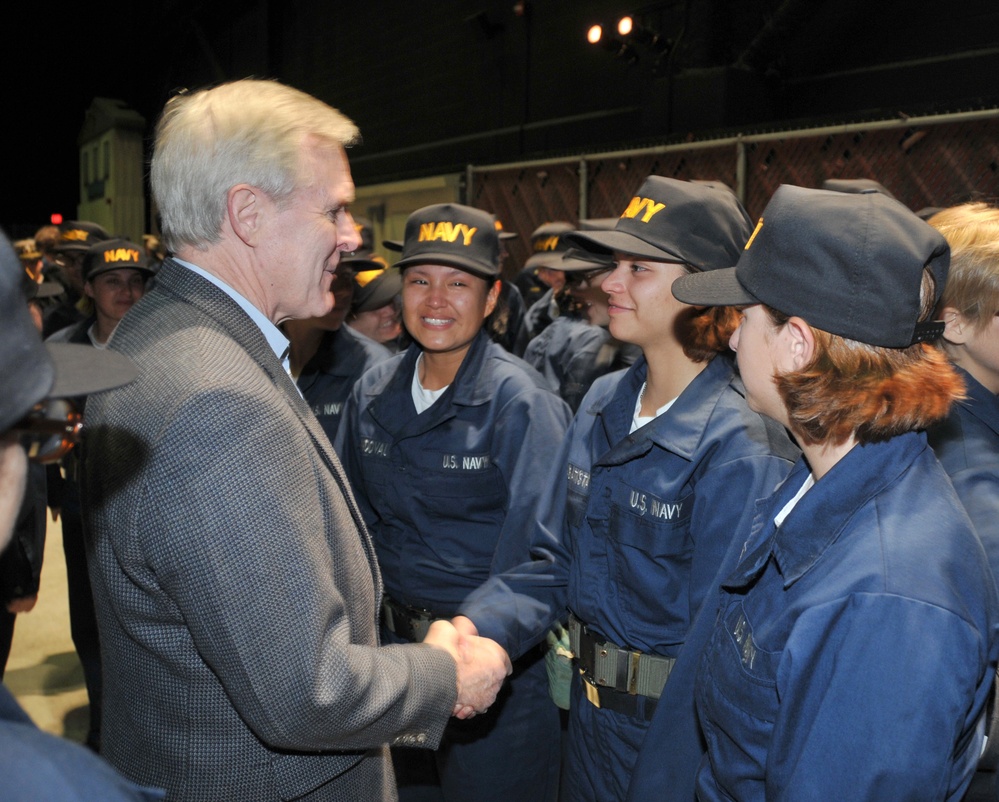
x=236 y=585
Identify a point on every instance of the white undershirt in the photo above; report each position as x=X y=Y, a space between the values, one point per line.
x=638 y=420
x=424 y=399
x=92 y=336
x=808 y=484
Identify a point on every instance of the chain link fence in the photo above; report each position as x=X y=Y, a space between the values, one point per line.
x=926 y=163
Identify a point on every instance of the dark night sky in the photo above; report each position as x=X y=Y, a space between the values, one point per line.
x=101 y=49
x=55 y=62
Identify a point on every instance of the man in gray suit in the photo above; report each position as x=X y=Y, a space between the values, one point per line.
x=236 y=586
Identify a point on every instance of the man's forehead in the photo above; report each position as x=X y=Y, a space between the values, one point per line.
x=327 y=163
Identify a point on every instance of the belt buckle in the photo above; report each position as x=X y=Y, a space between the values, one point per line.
x=634 y=661
x=591 y=690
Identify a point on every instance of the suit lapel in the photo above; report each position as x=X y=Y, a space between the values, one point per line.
x=213 y=302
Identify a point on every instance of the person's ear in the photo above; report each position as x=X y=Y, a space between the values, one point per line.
x=245 y=212
x=88 y=289
x=799 y=342
x=956 y=328
x=492 y=298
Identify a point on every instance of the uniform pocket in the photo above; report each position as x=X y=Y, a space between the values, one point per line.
x=650 y=546
x=467 y=510
x=737 y=702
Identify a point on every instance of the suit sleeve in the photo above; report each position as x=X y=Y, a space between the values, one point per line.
x=247 y=538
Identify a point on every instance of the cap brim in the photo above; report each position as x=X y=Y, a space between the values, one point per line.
x=576 y=260
x=49 y=289
x=361 y=261
x=83 y=369
x=28 y=374
x=392 y=244
x=475 y=268
x=551 y=259
x=147 y=271
x=712 y=288
x=621 y=242
x=507 y=235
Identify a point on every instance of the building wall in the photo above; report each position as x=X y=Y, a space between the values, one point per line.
x=111 y=183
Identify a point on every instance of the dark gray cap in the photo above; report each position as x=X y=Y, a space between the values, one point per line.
x=454 y=235
x=668 y=220
x=849 y=264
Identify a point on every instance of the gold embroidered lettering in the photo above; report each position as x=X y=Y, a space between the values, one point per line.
x=756 y=231
x=633 y=208
x=447 y=231
x=121 y=255
x=646 y=207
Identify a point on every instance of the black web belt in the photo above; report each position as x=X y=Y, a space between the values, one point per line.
x=409 y=623
x=616 y=678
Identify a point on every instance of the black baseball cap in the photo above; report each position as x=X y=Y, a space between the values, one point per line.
x=669 y=220
x=367 y=268
x=850 y=264
x=501 y=232
x=550 y=248
x=375 y=288
x=27 y=249
x=115 y=254
x=31 y=371
x=856 y=185
x=577 y=260
x=454 y=235
x=78 y=235
x=33 y=291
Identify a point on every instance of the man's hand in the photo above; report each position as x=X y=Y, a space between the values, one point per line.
x=465 y=626
x=482 y=667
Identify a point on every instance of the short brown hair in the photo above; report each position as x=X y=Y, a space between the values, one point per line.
x=972 y=288
x=868 y=391
x=706 y=332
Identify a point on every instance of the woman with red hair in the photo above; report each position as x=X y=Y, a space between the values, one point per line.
x=855 y=644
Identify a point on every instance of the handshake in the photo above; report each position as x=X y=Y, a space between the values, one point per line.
x=482 y=664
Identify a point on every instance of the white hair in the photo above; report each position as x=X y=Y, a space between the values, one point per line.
x=248 y=131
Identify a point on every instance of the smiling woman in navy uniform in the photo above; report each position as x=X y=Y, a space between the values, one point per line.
x=660 y=469
x=855 y=643
x=447 y=446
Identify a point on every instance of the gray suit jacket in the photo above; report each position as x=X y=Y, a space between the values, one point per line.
x=236 y=586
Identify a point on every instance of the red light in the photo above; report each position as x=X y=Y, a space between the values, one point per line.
x=594 y=34
x=56 y=219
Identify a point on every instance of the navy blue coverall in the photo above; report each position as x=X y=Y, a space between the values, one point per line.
x=327 y=378
x=449 y=496
x=967 y=445
x=855 y=646
x=632 y=541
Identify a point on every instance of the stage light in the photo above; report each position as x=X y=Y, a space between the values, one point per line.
x=625 y=25
x=623 y=50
